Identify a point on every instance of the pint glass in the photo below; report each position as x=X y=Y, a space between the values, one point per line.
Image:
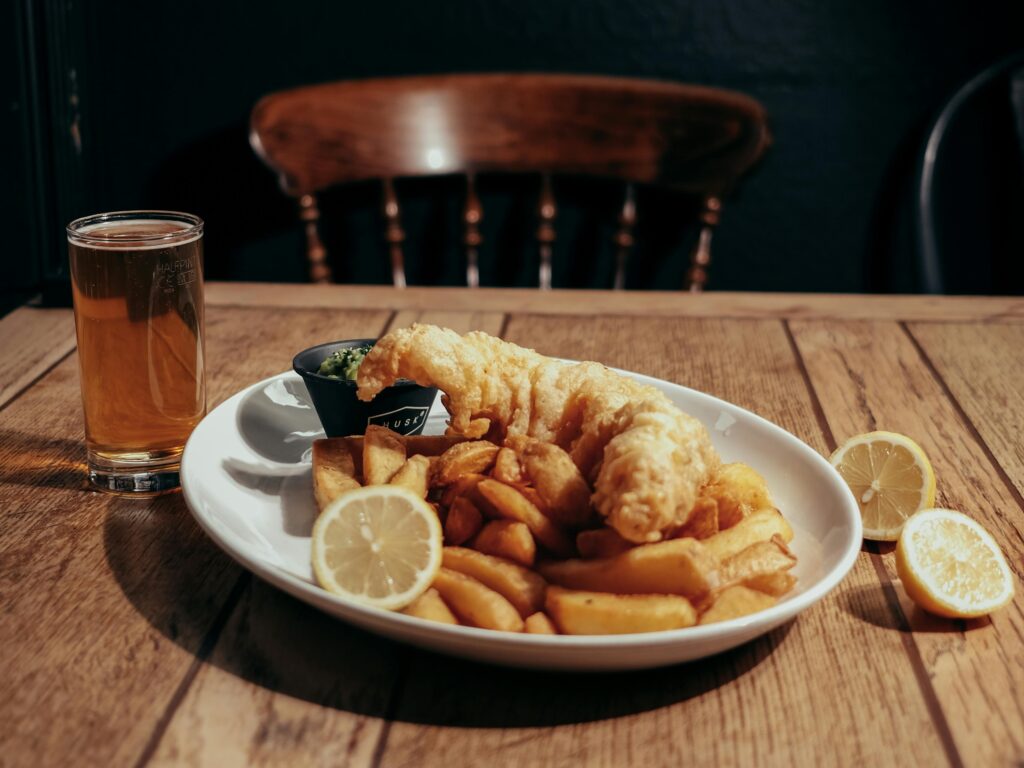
x=137 y=281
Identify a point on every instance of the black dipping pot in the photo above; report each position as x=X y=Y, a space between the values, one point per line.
x=402 y=407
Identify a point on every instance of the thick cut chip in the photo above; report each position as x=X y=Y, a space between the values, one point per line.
x=507 y=468
x=334 y=471
x=675 y=567
x=520 y=586
x=383 y=455
x=413 y=475
x=559 y=482
x=474 y=457
x=757 y=526
x=736 y=601
x=531 y=495
x=431 y=607
x=539 y=624
x=776 y=584
x=599 y=613
x=462 y=523
x=738 y=490
x=464 y=486
x=757 y=560
x=510 y=503
x=509 y=539
x=355 y=449
x=475 y=604
x=703 y=520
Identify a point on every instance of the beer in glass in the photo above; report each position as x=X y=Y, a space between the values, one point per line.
x=137 y=281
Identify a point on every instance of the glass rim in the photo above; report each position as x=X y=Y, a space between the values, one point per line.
x=193 y=229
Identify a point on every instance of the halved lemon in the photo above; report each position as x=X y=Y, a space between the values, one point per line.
x=951 y=566
x=890 y=477
x=379 y=545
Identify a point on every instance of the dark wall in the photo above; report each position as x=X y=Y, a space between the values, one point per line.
x=164 y=90
x=19 y=273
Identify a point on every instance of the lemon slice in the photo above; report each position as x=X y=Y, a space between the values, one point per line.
x=379 y=545
x=951 y=566
x=890 y=477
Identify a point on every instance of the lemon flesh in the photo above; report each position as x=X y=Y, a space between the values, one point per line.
x=379 y=545
x=951 y=566
x=890 y=477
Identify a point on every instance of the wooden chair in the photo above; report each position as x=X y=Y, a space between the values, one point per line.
x=695 y=139
x=1008 y=73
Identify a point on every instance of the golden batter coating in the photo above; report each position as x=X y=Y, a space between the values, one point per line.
x=647 y=459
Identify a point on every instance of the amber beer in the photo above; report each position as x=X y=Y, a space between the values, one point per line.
x=137 y=280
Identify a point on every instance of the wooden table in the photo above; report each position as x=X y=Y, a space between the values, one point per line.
x=129 y=639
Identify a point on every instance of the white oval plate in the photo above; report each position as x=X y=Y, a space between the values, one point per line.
x=246 y=477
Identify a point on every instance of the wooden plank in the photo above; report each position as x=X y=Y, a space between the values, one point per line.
x=869 y=375
x=262 y=344
x=983 y=366
x=463 y=322
x=645 y=303
x=32 y=340
x=285 y=681
x=830 y=685
x=108 y=601
x=287 y=685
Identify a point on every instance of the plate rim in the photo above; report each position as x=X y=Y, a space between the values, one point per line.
x=768 y=618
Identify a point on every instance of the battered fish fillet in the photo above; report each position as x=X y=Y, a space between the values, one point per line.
x=646 y=459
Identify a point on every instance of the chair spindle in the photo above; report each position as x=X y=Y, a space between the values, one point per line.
x=546 y=212
x=623 y=237
x=393 y=233
x=697 y=276
x=319 y=269
x=472 y=214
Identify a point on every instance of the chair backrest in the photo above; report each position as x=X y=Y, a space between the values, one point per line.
x=929 y=258
x=695 y=139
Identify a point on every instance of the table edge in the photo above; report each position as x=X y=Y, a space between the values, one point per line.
x=731 y=304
